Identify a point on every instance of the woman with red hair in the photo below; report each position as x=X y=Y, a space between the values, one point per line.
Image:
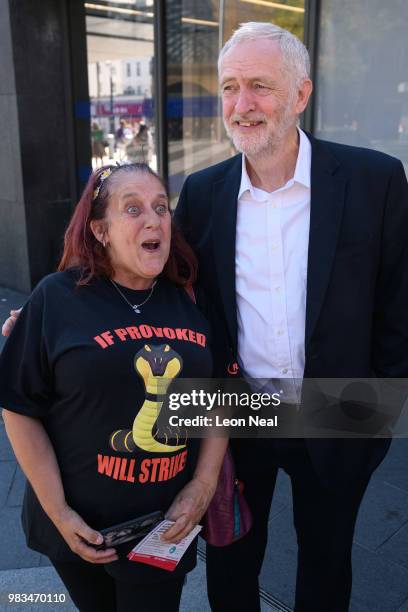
x=84 y=376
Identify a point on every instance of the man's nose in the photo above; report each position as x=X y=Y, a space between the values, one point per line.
x=245 y=102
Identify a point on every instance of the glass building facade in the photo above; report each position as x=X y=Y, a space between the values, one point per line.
x=122 y=64
x=361 y=86
x=136 y=80
x=362 y=76
x=120 y=51
x=196 y=31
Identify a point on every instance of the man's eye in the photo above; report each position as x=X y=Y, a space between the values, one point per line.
x=227 y=89
x=262 y=89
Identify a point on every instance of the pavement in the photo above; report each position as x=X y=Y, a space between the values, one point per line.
x=380 y=556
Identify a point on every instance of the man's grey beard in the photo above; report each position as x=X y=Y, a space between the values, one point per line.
x=266 y=144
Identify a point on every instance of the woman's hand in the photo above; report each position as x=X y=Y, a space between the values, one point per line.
x=9 y=323
x=77 y=533
x=192 y=502
x=188 y=508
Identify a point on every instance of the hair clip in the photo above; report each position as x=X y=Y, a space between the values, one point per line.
x=103 y=176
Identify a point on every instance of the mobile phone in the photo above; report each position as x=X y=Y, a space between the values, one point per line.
x=130 y=530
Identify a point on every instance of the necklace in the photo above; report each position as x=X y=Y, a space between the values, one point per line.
x=135 y=307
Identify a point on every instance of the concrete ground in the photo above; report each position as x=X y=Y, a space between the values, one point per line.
x=380 y=552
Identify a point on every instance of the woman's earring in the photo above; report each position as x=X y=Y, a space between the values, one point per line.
x=104 y=244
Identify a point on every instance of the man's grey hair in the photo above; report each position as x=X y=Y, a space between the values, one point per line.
x=295 y=56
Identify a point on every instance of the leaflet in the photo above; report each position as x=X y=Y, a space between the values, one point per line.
x=153 y=551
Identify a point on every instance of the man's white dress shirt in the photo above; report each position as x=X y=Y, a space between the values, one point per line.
x=271 y=272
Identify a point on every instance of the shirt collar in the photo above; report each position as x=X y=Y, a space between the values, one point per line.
x=301 y=174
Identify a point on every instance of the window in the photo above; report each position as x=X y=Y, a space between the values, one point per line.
x=362 y=80
x=196 y=30
x=116 y=40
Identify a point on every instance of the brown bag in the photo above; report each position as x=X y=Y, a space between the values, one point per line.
x=228 y=517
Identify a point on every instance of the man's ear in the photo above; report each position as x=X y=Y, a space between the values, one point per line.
x=98 y=228
x=303 y=95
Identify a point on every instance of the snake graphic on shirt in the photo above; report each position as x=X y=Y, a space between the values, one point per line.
x=157 y=366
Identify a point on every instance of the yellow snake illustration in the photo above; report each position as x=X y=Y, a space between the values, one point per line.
x=157 y=366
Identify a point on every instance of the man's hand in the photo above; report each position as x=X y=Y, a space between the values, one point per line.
x=188 y=508
x=77 y=533
x=9 y=323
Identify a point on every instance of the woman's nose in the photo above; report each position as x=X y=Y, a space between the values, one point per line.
x=152 y=219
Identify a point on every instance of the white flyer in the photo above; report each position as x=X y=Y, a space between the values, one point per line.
x=153 y=551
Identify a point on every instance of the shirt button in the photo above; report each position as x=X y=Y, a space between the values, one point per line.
x=275 y=247
x=285 y=371
x=277 y=289
x=280 y=332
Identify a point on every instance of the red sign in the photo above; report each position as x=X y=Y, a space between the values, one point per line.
x=129 y=109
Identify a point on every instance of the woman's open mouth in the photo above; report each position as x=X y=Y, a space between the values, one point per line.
x=151 y=245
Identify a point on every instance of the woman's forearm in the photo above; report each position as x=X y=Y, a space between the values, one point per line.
x=212 y=451
x=37 y=459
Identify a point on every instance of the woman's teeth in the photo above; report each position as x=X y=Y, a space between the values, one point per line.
x=151 y=245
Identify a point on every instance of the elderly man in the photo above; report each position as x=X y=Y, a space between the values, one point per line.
x=302 y=247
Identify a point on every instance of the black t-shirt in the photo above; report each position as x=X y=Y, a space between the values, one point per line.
x=81 y=360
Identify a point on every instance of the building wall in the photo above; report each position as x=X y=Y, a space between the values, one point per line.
x=14 y=271
x=38 y=153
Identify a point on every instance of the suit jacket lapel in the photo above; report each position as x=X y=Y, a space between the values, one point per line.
x=224 y=219
x=327 y=199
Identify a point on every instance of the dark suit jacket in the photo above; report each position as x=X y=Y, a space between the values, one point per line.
x=357 y=280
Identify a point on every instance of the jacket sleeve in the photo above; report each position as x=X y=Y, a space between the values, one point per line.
x=390 y=333
x=26 y=380
x=220 y=350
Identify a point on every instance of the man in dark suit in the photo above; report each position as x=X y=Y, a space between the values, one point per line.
x=302 y=249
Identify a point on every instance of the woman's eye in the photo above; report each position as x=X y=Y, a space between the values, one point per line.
x=133 y=210
x=161 y=209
